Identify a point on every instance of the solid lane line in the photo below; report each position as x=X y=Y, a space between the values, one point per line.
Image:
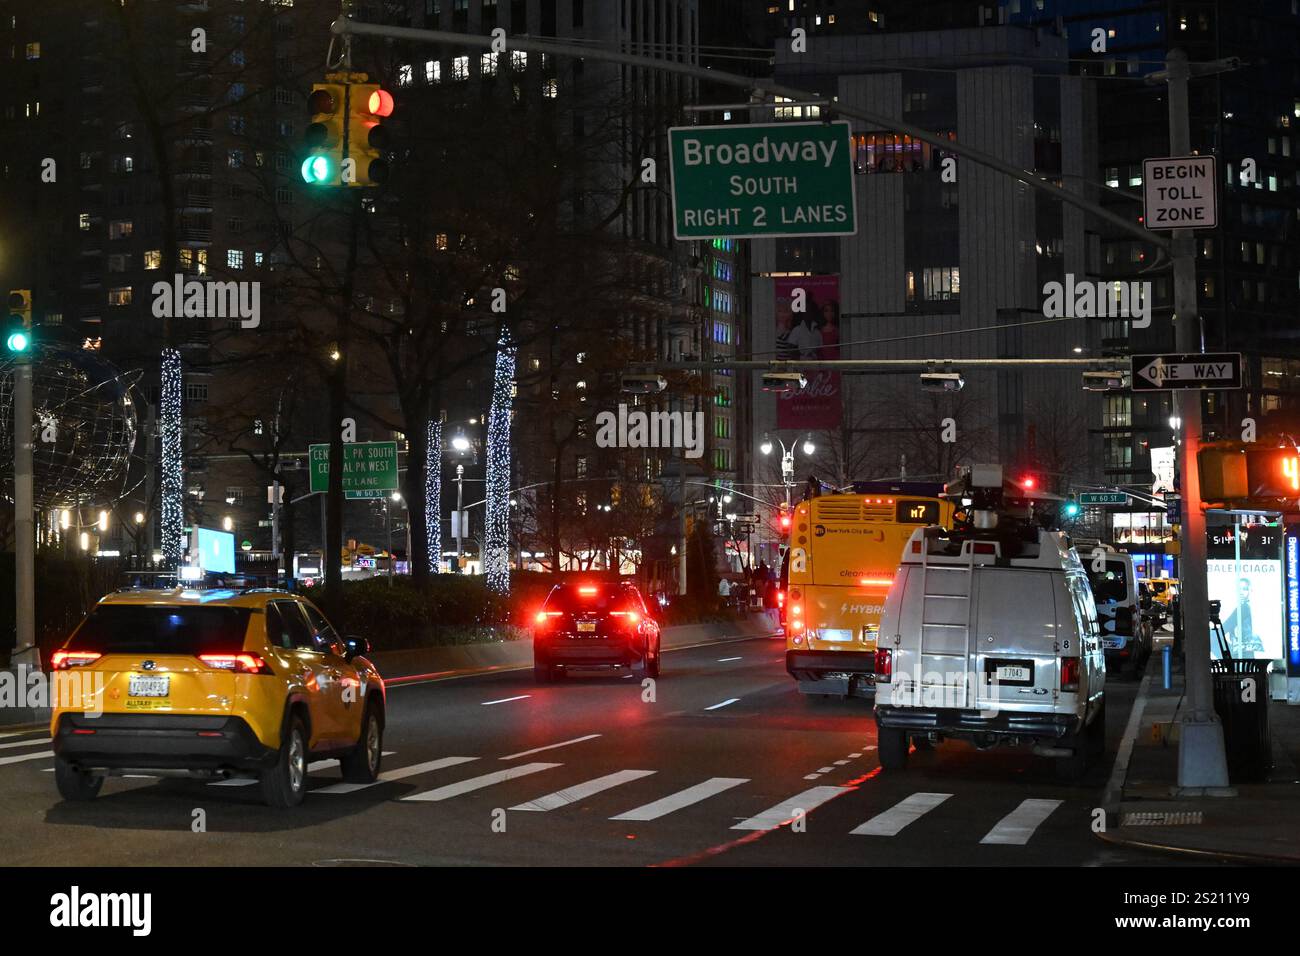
x=723 y=660
x=34 y=742
x=1019 y=825
x=401 y=773
x=726 y=703
x=503 y=700
x=784 y=812
x=478 y=783
x=537 y=750
x=562 y=798
x=891 y=822
x=21 y=757
x=682 y=798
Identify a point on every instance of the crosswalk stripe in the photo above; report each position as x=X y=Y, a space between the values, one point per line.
x=21 y=757
x=562 y=798
x=563 y=743
x=478 y=783
x=34 y=742
x=1019 y=825
x=401 y=773
x=682 y=798
x=784 y=812
x=892 y=821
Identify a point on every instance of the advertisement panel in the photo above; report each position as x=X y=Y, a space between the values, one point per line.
x=813 y=333
x=1245 y=574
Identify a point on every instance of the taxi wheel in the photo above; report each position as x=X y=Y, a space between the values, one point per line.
x=361 y=763
x=75 y=784
x=285 y=783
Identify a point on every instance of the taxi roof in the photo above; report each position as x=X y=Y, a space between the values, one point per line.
x=180 y=597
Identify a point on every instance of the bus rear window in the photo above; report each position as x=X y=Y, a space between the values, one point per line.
x=161 y=629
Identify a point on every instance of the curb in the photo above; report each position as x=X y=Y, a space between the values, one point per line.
x=1113 y=796
x=1227 y=855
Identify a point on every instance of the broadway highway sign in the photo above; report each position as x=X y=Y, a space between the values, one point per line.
x=369 y=468
x=1153 y=373
x=779 y=179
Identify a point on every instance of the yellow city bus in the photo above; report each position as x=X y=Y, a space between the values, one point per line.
x=844 y=551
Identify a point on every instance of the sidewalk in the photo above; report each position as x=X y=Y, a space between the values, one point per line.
x=1250 y=822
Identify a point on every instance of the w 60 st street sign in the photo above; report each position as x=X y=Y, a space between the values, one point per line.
x=779 y=179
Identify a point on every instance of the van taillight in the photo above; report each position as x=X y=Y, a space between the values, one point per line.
x=984 y=547
x=239 y=663
x=1069 y=673
x=62 y=660
x=884 y=665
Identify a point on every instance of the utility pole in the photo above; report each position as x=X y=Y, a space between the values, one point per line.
x=24 y=519
x=1201 y=761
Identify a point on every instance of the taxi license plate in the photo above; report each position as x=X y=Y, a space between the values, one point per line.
x=140 y=686
x=586 y=625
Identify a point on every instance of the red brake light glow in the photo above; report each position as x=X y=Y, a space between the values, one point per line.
x=239 y=663
x=62 y=660
x=875 y=582
x=587 y=590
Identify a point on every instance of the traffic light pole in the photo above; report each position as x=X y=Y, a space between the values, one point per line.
x=24 y=518
x=1201 y=761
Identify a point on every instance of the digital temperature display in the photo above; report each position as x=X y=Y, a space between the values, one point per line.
x=917 y=512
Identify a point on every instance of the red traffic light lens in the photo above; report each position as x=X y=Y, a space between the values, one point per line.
x=381 y=103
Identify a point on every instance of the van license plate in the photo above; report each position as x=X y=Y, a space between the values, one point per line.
x=140 y=686
x=1008 y=672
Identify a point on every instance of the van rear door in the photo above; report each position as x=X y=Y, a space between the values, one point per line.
x=1016 y=638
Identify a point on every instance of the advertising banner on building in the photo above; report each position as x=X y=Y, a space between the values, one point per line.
x=808 y=327
x=1250 y=587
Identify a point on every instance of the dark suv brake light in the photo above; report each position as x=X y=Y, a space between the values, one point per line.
x=243 y=663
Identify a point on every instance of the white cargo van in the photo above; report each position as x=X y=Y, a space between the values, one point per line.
x=991 y=636
x=1126 y=633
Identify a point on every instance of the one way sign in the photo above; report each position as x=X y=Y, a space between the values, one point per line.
x=1153 y=373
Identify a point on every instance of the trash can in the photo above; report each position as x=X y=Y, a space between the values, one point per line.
x=1243 y=711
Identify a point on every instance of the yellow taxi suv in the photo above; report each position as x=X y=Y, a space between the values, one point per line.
x=844 y=552
x=214 y=684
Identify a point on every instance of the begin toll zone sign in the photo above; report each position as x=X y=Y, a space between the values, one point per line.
x=776 y=179
x=1180 y=192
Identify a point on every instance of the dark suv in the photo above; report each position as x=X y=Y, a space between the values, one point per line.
x=592 y=625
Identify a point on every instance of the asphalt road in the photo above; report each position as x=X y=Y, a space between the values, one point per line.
x=495 y=770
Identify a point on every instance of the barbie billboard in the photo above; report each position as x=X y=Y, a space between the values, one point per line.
x=808 y=327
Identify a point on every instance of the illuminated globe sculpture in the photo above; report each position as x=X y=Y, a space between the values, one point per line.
x=85 y=425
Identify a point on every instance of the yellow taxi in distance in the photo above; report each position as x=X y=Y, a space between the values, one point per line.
x=213 y=683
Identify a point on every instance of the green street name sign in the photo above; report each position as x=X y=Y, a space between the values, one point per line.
x=776 y=179
x=1103 y=498
x=369 y=468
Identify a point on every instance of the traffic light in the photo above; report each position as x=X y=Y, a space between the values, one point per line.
x=18 y=323
x=784 y=520
x=1252 y=473
x=369 y=105
x=326 y=134
x=1071 y=508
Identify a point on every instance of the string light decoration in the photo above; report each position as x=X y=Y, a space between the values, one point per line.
x=173 y=510
x=496 y=537
x=433 y=495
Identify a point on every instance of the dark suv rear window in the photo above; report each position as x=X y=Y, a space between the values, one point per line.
x=152 y=629
x=592 y=597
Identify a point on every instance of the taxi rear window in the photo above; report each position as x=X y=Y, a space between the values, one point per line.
x=155 y=629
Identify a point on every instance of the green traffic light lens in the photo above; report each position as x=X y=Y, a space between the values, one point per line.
x=315 y=169
x=18 y=342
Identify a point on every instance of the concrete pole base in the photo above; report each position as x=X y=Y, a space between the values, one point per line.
x=1201 y=760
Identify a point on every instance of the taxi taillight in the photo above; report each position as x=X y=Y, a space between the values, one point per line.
x=62 y=660
x=242 y=663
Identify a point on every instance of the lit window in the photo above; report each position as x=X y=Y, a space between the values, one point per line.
x=405 y=75
x=33 y=51
x=120 y=296
x=519 y=61
x=153 y=259
x=433 y=71
x=234 y=258
x=120 y=228
x=83 y=221
x=487 y=64
x=551 y=89
x=460 y=68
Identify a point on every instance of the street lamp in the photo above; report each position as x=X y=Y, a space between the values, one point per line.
x=103 y=522
x=787 y=460
x=459 y=442
x=139 y=517
x=227 y=523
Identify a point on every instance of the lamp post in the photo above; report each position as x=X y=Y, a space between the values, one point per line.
x=787 y=460
x=460 y=513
